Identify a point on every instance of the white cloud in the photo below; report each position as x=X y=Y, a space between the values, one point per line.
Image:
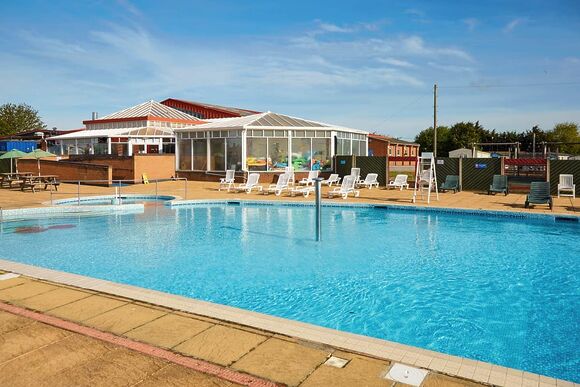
x=471 y=23
x=328 y=27
x=416 y=45
x=513 y=24
x=396 y=62
x=451 y=68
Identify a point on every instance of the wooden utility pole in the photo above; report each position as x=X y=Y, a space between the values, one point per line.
x=435 y=120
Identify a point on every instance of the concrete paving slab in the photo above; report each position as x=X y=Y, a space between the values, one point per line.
x=25 y=290
x=53 y=299
x=86 y=308
x=176 y=376
x=437 y=380
x=220 y=344
x=119 y=367
x=10 y=322
x=51 y=359
x=358 y=372
x=124 y=318
x=13 y=282
x=20 y=341
x=281 y=361
x=168 y=331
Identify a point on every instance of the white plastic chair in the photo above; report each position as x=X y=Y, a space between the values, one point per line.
x=229 y=180
x=332 y=179
x=301 y=191
x=567 y=185
x=249 y=185
x=370 y=181
x=345 y=188
x=399 y=182
x=281 y=185
x=310 y=179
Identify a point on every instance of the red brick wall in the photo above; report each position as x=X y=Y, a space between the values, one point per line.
x=66 y=170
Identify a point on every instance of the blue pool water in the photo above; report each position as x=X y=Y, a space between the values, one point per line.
x=494 y=289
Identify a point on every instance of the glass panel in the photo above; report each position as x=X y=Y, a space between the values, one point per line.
x=298 y=133
x=310 y=133
x=363 y=148
x=224 y=133
x=346 y=150
x=101 y=149
x=168 y=147
x=268 y=133
x=301 y=154
x=256 y=154
x=184 y=155
x=234 y=153
x=217 y=159
x=321 y=154
x=280 y=133
x=200 y=155
x=277 y=154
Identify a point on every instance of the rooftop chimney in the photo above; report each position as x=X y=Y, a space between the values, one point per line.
x=95 y=116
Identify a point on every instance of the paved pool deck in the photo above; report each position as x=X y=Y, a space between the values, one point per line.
x=239 y=345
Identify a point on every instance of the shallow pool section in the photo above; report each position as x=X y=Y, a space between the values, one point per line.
x=496 y=289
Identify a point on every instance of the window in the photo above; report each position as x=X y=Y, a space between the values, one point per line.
x=321 y=154
x=217 y=157
x=277 y=154
x=184 y=155
x=413 y=151
x=398 y=151
x=234 y=153
x=256 y=158
x=301 y=154
x=199 y=155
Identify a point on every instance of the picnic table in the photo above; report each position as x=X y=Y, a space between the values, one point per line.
x=32 y=182
x=10 y=179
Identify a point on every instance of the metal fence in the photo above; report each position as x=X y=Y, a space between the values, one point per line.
x=343 y=164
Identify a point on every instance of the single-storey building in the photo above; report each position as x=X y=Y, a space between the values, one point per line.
x=264 y=142
x=380 y=145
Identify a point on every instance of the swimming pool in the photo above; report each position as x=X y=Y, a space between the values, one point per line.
x=502 y=290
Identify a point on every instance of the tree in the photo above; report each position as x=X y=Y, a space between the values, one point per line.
x=425 y=139
x=566 y=132
x=464 y=134
x=19 y=118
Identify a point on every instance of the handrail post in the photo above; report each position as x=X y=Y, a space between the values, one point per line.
x=119 y=186
x=318 y=198
x=185 y=181
x=79 y=193
x=156 y=181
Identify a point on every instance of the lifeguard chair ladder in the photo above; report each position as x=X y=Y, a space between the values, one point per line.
x=425 y=177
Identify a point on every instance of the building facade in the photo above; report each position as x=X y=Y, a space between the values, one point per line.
x=266 y=143
x=380 y=145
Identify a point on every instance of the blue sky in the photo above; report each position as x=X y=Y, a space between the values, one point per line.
x=364 y=64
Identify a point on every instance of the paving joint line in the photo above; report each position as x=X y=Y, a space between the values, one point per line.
x=195 y=364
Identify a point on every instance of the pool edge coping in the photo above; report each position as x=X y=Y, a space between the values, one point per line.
x=365 y=345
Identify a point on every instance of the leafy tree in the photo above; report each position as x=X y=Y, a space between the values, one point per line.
x=18 y=118
x=566 y=132
x=425 y=139
x=464 y=134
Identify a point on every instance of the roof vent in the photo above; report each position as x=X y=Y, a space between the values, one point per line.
x=95 y=116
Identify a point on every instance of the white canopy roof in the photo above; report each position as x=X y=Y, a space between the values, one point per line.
x=123 y=132
x=267 y=120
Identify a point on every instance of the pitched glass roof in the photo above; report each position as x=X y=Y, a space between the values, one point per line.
x=150 y=108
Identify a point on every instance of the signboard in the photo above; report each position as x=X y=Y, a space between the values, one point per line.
x=480 y=166
x=342 y=162
x=440 y=162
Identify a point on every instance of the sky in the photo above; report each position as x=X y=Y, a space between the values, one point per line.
x=368 y=65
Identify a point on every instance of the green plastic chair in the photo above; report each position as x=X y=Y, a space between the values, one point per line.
x=451 y=183
x=539 y=194
x=499 y=184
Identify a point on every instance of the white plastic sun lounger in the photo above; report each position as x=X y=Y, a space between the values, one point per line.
x=310 y=179
x=399 y=182
x=249 y=185
x=345 y=188
x=567 y=185
x=332 y=179
x=281 y=185
x=228 y=181
x=301 y=191
x=356 y=173
x=370 y=181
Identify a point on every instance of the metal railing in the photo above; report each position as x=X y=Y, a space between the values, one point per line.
x=118 y=185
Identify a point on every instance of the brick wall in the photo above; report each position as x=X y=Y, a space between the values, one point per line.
x=66 y=170
x=157 y=166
